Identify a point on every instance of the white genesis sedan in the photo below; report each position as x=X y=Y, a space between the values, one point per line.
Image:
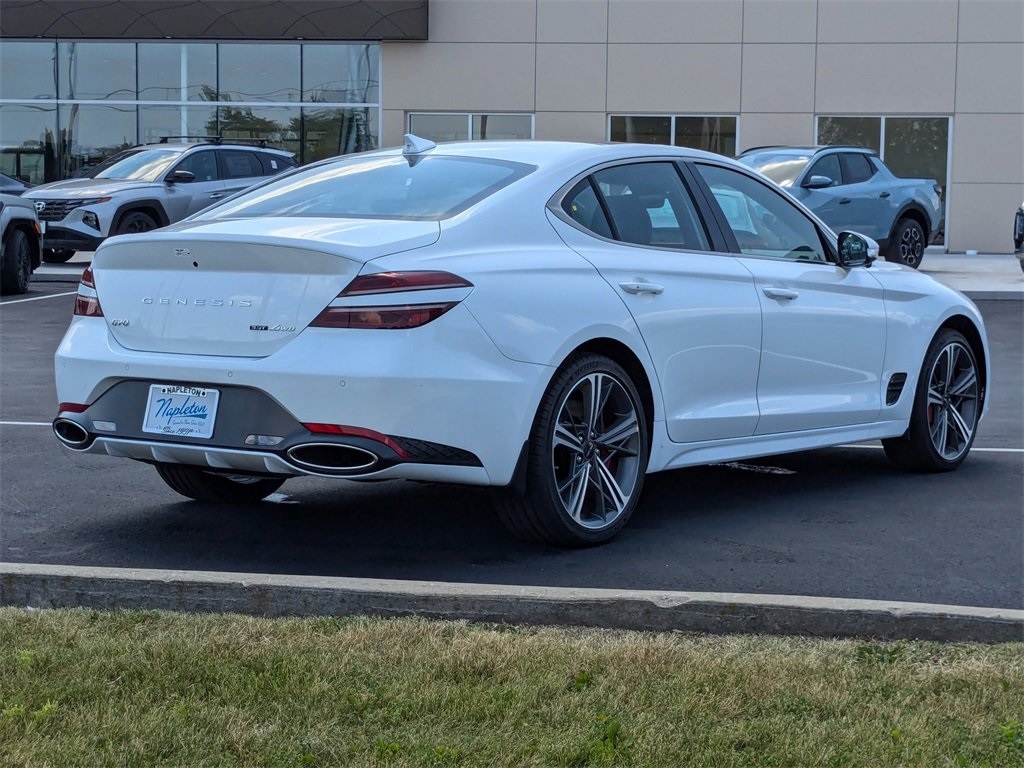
x=554 y=320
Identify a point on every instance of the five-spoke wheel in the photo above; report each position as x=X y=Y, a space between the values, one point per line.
x=947 y=406
x=587 y=457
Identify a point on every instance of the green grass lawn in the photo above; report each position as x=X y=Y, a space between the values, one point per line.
x=83 y=688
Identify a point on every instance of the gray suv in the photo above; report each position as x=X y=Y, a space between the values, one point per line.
x=146 y=187
x=19 y=244
x=850 y=188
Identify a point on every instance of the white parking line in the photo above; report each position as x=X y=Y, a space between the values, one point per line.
x=25 y=424
x=38 y=298
x=973 y=450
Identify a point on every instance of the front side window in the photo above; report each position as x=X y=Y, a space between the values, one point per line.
x=828 y=166
x=202 y=165
x=650 y=206
x=377 y=187
x=763 y=221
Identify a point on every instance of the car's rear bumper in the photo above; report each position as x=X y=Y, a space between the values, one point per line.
x=446 y=396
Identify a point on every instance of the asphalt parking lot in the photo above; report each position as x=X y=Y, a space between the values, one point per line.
x=834 y=523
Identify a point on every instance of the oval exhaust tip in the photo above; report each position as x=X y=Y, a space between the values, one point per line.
x=332 y=457
x=71 y=433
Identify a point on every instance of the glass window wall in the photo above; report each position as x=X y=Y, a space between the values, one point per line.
x=251 y=72
x=713 y=133
x=177 y=72
x=28 y=141
x=96 y=71
x=90 y=133
x=66 y=105
x=29 y=70
x=461 y=126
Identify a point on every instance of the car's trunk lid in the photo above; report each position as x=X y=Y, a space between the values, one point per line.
x=238 y=291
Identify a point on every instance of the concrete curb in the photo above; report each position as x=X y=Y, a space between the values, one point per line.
x=55 y=586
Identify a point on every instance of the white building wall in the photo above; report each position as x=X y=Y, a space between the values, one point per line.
x=776 y=64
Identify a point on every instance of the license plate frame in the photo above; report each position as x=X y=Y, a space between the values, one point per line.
x=181 y=410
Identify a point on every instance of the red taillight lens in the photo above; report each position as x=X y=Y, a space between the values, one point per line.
x=394 y=282
x=72 y=407
x=393 y=316
x=87 y=304
x=387 y=318
x=369 y=434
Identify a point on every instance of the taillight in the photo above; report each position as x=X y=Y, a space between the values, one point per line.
x=87 y=303
x=394 y=282
x=391 y=316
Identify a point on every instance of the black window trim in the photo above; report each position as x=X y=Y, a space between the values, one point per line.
x=733 y=245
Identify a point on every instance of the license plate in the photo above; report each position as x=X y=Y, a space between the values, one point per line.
x=181 y=411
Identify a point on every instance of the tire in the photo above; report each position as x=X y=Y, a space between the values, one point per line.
x=201 y=485
x=585 y=466
x=907 y=244
x=57 y=255
x=133 y=222
x=947 y=406
x=16 y=268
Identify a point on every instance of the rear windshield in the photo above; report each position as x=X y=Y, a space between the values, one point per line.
x=781 y=167
x=429 y=188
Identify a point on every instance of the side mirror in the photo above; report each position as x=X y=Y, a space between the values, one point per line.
x=817 y=182
x=856 y=250
x=181 y=177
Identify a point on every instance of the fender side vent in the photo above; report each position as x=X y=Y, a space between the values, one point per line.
x=895 y=388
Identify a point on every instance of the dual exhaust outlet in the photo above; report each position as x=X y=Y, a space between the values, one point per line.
x=324 y=457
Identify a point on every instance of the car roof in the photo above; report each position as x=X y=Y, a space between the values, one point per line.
x=551 y=154
x=813 y=149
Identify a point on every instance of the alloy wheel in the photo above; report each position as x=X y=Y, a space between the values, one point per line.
x=952 y=401
x=595 y=450
x=911 y=246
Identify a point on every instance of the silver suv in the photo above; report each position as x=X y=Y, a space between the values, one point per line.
x=146 y=187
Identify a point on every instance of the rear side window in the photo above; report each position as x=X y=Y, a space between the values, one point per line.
x=856 y=167
x=275 y=163
x=239 y=164
x=650 y=206
x=379 y=187
x=585 y=209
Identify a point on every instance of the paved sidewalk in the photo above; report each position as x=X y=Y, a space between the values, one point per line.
x=981 y=276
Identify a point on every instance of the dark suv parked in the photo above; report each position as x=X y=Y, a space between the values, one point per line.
x=145 y=187
x=850 y=188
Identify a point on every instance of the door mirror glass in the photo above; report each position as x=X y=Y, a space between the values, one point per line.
x=181 y=177
x=856 y=250
x=818 y=182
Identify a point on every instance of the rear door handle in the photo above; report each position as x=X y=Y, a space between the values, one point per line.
x=652 y=288
x=845 y=200
x=885 y=194
x=216 y=195
x=785 y=294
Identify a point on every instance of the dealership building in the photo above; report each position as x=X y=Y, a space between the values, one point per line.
x=935 y=86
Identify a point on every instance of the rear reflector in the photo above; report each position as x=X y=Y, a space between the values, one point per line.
x=369 y=434
x=396 y=317
x=395 y=282
x=72 y=407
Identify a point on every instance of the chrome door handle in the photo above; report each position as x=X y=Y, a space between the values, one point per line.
x=216 y=195
x=652 y=288
x=786 y=294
